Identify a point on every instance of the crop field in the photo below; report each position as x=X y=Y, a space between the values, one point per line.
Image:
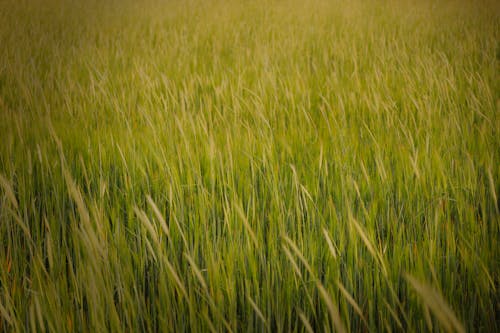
x=242 y=166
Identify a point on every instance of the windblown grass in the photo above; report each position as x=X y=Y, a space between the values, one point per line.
x=249 y=166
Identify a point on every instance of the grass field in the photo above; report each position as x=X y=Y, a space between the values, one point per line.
x=281 y=166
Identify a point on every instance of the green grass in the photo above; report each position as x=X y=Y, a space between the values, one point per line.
x=249 y=166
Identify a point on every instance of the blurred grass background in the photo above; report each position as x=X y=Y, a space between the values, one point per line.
x=249 y=165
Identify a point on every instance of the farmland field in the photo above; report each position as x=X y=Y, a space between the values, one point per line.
x=240 y=166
